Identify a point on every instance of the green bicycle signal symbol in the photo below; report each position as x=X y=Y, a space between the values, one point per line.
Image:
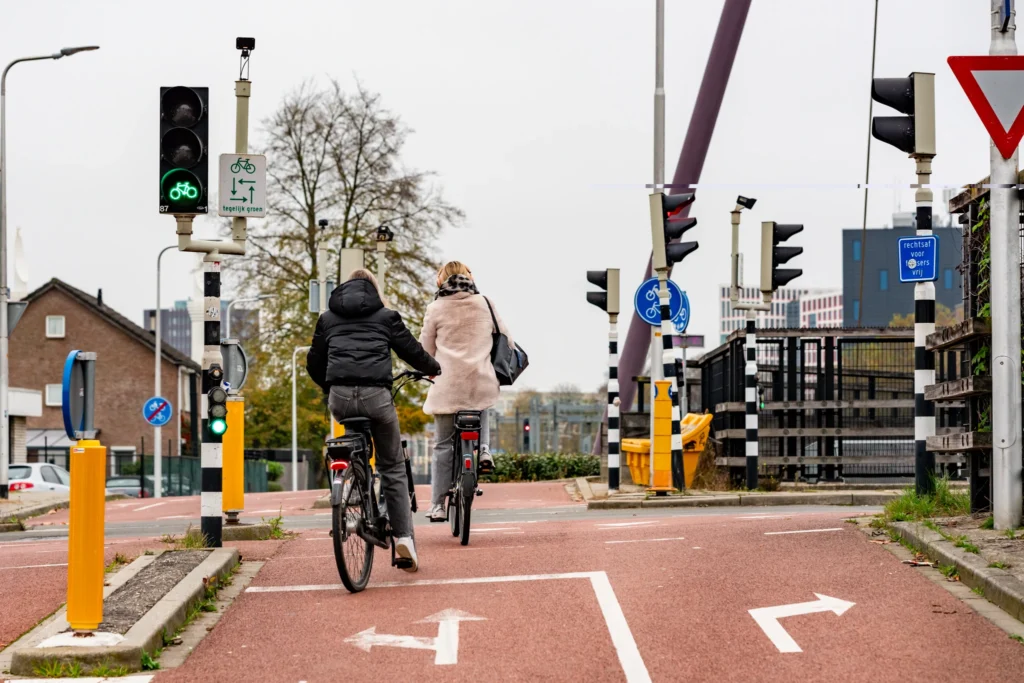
x=183 y=190
x=243 y=165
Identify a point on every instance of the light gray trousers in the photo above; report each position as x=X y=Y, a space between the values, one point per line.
x=444 y=452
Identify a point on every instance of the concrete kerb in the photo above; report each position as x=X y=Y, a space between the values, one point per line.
x=323 y=503
x=869 y=498
x=998 y=586
x=146 y=635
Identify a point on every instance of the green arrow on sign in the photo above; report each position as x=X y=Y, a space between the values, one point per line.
x=232 y=186
x=251 y=190
x=244 y=182
x=238 y=199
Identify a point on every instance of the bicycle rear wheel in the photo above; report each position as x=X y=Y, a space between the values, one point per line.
x=353 y=555
x=453 y=512
x=466 y=495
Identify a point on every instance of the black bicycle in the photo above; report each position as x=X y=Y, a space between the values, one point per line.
x=359 y=518
x=464 y=479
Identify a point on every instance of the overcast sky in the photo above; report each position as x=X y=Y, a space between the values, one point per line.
x=536 y=115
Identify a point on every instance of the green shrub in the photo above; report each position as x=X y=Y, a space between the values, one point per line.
x=275 y=470
x=274 y=487
x=543 y=466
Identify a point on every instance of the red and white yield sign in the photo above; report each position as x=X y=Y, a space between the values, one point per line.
x=995 y=86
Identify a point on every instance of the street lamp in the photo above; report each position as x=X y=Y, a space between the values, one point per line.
x=295 y=430
x=5 y=455
x=227 y=323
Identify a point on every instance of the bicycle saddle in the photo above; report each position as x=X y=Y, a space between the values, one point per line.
x=356 y=424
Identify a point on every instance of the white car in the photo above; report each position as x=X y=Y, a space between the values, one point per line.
x=39 y=477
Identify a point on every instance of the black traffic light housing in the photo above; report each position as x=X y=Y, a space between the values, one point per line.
x=607 y=280
x=915 y=97
x=217 y=403
x=184 y=150
x=526 y=434
x=665 y=228
x=772 y=255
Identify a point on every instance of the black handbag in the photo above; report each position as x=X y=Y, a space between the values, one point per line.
x=508 y=363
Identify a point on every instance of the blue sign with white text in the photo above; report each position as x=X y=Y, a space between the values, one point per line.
x=648 y=304
x=919 y=258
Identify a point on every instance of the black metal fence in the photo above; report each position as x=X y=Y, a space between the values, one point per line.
x=834 y=403
x=182 y=476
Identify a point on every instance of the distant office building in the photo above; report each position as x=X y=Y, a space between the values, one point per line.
x=884 y=296
x=176 y=326
x=779 y=316
x=821 y=309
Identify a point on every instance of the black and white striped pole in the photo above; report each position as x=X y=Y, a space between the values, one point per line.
x=665 y=230
x=214 y=408
x=915 y=135
x=608 y=301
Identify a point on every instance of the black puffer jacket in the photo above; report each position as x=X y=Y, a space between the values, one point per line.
x=354 y=339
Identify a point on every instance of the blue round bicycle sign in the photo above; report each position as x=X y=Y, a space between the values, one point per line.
x=157 y=411
x=648 y=305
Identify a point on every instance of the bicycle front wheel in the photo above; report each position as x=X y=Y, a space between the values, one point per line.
x=353 y=555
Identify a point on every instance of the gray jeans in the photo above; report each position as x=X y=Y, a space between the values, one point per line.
x=375 y=403
x=444 y=451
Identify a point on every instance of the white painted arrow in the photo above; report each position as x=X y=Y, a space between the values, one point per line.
x=768 y=618
x=445 y=645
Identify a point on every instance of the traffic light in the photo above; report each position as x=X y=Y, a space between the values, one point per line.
x=608 y=280
x=665 y=227
x=915 y=97
x=772 y=234
x=184 y=149
x=526 y=433
x=217 y=400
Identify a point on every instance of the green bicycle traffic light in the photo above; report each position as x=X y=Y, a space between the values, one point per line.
x=218 y=411
x=184 y=145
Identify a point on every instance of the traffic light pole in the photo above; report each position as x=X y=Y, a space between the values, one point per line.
x=668 y=371
x=1007 y=499
x=613 y=403
x=924 y=362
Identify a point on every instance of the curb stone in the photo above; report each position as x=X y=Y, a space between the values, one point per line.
x=321 y=503
x=146 y=635
x=871 y=498
x=999 y=587
x=583 y=486
x=246 y=532
x=35 y=511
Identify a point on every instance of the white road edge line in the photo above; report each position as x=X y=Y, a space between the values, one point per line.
x=148 y=507
x=618 y=525
x=35 y=566
x=800 y=531
x=648 y=540
x=618 y=628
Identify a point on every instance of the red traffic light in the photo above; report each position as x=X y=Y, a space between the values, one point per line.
x=526 y=428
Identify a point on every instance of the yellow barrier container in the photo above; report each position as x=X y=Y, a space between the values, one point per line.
x=662 y=447
x=637 y=455
x=85 y=535
x=233 y=457
x=696 y=429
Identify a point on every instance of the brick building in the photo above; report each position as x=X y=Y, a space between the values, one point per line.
x=60 y=319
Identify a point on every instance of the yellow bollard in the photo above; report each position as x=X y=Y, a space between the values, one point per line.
x=661 y=450
x=85 y=535
x=233 y=457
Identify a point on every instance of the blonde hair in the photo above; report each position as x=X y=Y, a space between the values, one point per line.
x=452 y=268
x=363 y=274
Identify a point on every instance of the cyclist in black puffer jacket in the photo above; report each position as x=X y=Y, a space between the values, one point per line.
x=350 y=359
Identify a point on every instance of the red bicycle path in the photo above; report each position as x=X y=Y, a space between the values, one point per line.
x=300 y=503
x=660 y=599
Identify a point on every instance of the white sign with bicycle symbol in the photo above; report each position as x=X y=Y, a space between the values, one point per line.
x=243 y=186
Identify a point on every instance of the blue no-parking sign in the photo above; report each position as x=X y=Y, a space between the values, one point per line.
x=157 y=411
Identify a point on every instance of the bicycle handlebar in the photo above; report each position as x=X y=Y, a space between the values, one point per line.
x=414 y=376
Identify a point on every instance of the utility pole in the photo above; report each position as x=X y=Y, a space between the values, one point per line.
x=659 y=173
x=158 y=460
x=1007 y=495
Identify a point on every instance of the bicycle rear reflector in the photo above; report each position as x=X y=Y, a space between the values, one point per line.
x=470 y=436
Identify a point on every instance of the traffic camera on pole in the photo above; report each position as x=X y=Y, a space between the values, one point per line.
x=666 y=227
x=772 y=255
x=915 y=97
x=217 y=399
x=184 y=145
x=608 y=280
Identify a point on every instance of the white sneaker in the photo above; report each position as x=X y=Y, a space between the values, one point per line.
x=406 y=549
x=437 y=514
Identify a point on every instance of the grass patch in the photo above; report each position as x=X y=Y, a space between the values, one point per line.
x=978 y=590
x=107 y=671
x=193 y=539
x=965 y=543
x=998 y=565
x=949 y=571
x=989 y=523
x=149 y=661
x=118 y=562
x=944 y=502
x=52 y=668
x=276 y=525
x=1009 y=533
x=1018 y=638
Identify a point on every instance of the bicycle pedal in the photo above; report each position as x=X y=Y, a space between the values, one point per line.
x=479 y=492
x=402 y=563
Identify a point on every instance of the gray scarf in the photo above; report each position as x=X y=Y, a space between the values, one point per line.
x=456 y=284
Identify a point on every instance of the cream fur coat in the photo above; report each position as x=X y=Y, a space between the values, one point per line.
x=457 y=332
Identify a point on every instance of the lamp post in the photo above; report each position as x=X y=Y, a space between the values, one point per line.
x=295 y=429
x=158 y=463
x=5 y=455
x=227 y=323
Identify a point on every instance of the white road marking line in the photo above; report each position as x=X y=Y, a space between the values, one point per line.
x=630 y=660
x=148 y=507
x=301 y=557
x=801 y=531
x=262 y=512
x=492 y=547
x=648 y=540
x=321 y=514
x=617 y=525
x=484 y=531
x=176 y=517
x=36 y=566
x=322 y=538
x=766 y=517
